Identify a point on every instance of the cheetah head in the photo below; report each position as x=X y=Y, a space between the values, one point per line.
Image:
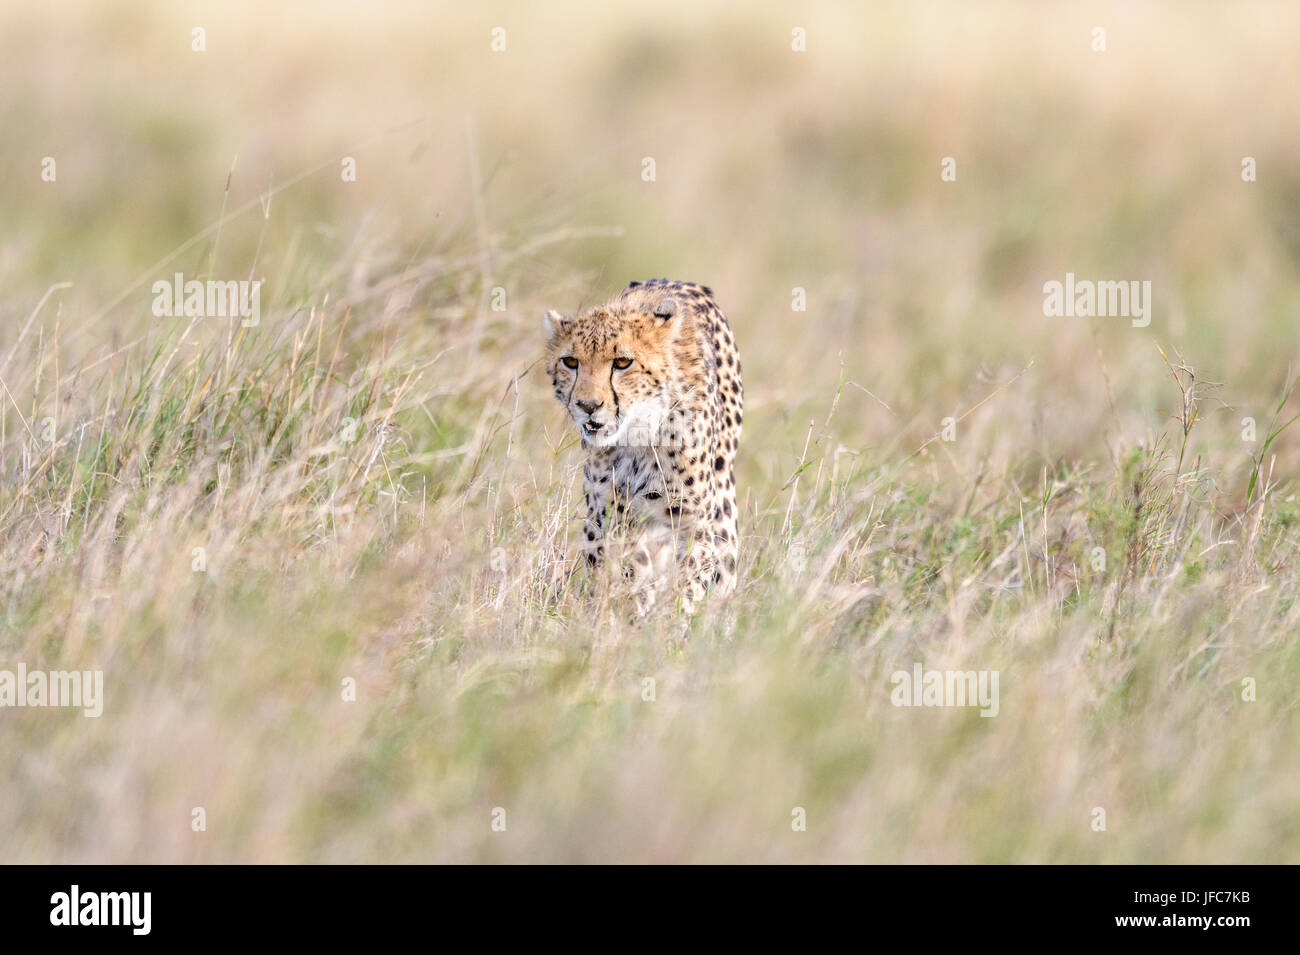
x=612 y=369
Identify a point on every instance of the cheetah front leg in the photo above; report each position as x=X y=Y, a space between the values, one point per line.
x=595 y=487
x=698 y=567
x=709 y=564
x=649 y=566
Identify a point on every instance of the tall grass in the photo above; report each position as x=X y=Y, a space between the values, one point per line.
x=327 y=563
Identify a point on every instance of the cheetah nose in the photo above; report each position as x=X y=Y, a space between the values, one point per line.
x=588 y=406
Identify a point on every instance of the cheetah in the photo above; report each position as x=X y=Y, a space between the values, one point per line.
x=652 y=381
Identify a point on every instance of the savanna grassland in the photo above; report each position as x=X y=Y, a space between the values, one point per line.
x=372 y=490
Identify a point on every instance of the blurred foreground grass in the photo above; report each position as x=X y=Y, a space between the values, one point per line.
x=383 y=489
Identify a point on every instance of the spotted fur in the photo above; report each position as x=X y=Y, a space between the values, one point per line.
x=652 y=381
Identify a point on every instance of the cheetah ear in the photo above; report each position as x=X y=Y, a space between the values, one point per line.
x=666 y=309
x=554 y=322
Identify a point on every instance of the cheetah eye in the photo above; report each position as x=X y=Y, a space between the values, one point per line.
x=570 y=362
x=621 y=363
